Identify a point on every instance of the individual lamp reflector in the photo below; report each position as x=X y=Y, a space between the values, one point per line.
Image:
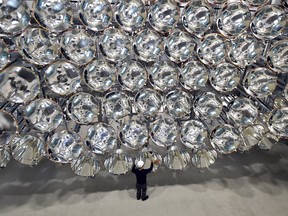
x=118 y=163
x=277 y=56
x=176 y=159
x=204 y=158
x=85 y=165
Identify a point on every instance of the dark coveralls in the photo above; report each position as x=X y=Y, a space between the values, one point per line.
x=141 y=176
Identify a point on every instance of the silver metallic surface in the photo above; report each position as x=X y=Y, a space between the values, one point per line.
x=8 y=128
x=85 y=165
x=225 y=77
x=132 y=75
x=64 y=146
x=97 y=15
x=260 y=82
x=83 y=108
x=134 y=134
x=99 y=75
x=163 y=75
x=4 y=54
x=115 y=44
x=193 y=75
x=118 y=163
x=54 y=15
x=176 y=159
x=19 y=84
x=5 y=155
x=163 y=15
x=38 y=46
x=242 y=112
x=101 y=138
x=27 y=149
x=178 y=103
x=278 y=122
x=43 y=114
x=148 y=45
x=244 y=50
x=204 y=158
x=116 y=105
x=148 y=155
x=277 y=56
x=211 y=50
x=130 y=14
x=14 y=16
x=254 y=3
x=234 y=19
x=216 y=2
x=179 y=46
x=62 y=77
x=207 y=106
x=193 y=134
x=78 y=46
x=225 y=139
x=251 y=136
x=163 y=131
x=148 y=102
x=198 y=17
x=269 y=22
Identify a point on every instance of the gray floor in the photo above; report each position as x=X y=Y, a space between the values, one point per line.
x=252 y=183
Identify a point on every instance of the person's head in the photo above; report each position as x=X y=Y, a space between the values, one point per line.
x=140 y=164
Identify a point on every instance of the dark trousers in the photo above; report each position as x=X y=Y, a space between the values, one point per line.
x=141 y=190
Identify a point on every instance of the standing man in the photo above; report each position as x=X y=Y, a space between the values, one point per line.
x=141 y=177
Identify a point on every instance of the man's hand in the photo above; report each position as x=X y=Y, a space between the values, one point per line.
x=156 y=161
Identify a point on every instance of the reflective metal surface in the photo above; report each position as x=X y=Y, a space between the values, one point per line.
x=5 y=155
x=62 y=77
x=278 y=122
x=163 y=131
x=8 y=128
x=116 y=105
x=99 y=75
x=148 y=155
x=225 y=139
x=254 y=3
x=96 y=14
x=64 y=146
x=211 y=50
x=234 y=19
x=54 y=15
x=85 y=165
x=163 y=75
x=115 y=45
x=207 y=106
x=78 y=46
x=225 y=77
x=176 y=159
x=260 y=82
x=242 y=112
x=193 y=134
x=14 y=16
x=193 y=75
x=178 y=103
x=251 y=136
x=179 y=46
x=148 y=102
x=4 y=54
x=197 y=17
x=130 y=14
x=163 y=15
x=269 y=22
x=134 y=134
x=244 y=50
x=19 y=84
x=132 y=75
x=277 y=56
x=204 y=158
x=83 y=108
x=118 y=163
x=27 y=149
x=43 y=114
x=101 y=138
x=38 y=46
x=148 y=45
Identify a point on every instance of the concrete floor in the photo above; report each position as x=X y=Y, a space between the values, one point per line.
x=252 y=183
